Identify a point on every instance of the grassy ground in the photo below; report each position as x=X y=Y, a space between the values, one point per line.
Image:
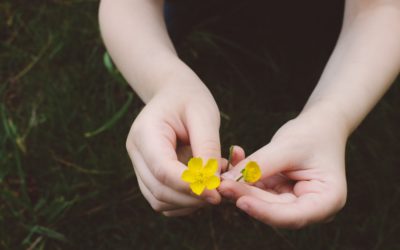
x=66 y=181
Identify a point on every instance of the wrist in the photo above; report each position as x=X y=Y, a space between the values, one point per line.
x=186 y=90
x=177 y=80
x=188 y=93
x=327 y=116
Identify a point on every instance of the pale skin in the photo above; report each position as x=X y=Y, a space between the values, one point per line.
x=303 y=166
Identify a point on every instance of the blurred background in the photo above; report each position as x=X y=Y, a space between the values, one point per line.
x=66 y=181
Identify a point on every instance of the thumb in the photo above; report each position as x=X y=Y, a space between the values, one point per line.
x=271 y=159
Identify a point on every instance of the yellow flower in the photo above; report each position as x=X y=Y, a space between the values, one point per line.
x=201 y=177
x=251 y=173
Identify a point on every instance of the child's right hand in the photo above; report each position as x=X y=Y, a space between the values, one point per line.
x=175 y=115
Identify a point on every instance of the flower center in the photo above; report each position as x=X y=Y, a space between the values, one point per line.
x=200 y=177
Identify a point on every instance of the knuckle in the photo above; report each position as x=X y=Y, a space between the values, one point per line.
x=168 y=214
x=135 y=134
x=160 y=174
x=159 y=194
x=210 y=147
x=339 y=200
x=134 y=129
x=341 y=203
x=128 y=144
x=139 y=130
x=157 y=206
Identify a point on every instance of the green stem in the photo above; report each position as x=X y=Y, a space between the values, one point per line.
x=240 y=177
x=113 y=119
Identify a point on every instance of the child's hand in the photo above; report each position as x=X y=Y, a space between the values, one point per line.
x=303 y=175
x=174 y=117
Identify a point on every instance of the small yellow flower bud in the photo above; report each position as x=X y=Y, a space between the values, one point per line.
x=251 y=173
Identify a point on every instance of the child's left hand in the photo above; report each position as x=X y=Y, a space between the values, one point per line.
x=303 y=175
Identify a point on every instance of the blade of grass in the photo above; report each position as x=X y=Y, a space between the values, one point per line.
x=79 y=168
x=44 y=231
x=5 y=122
x=113 y=120
x=31 y=64
x=11 y=132
x=35 y=243
x=108 y=63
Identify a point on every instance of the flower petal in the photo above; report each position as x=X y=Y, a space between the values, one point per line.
x=195 y=164
x=213 y=182
x=252 y=172
x=211 y=167
x=197 y=187
x=188 y=176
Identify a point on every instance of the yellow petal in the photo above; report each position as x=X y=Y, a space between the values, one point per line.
x=197 y=187
x=252 y=172
x=188 y=176
x=213 y=182
x=211 y=167
x=195 y=164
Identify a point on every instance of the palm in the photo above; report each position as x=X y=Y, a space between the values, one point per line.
x=303 y=178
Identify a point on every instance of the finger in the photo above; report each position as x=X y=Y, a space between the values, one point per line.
x=165 y=208
x=203 y=130
x=270 y=158
x=184 y=153
x=307 y=209
x=179 y=212
x=157 y=146
x=158 y=190
x=237 y=155
x=157 y=205
x=278 y=183
x=224 y=165
x=234 y=190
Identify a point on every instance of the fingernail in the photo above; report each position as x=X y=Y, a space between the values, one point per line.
x=243 y=206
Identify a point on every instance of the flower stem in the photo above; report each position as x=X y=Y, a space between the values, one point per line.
x=240 y=177
x=229 y=157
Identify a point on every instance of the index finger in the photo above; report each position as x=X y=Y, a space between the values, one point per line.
x=271 y=159
x=157 y=145
x=308 y=208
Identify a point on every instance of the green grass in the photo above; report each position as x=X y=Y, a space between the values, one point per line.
x=66 y=181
